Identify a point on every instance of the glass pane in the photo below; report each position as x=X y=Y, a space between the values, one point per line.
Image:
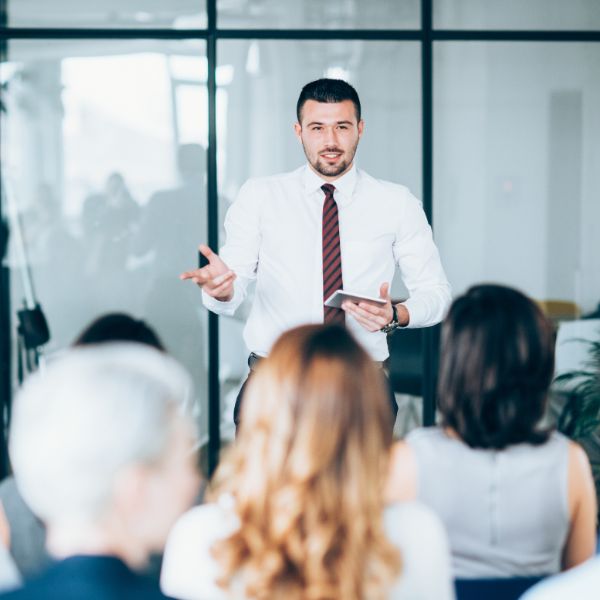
x=516 y=167
x=104 y=163
x=259 y=83
x=175 y=14
x=316 y=14
x=516 y=14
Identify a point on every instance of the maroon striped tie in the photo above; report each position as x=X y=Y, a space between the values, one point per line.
x=332 y=257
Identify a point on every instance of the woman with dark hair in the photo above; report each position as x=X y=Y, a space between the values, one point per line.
x=517 y=499
x=300 y=509
x=119 y=327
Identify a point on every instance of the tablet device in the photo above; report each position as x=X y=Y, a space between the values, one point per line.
x=339 y=296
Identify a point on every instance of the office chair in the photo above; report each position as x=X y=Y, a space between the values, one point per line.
x=511 y=588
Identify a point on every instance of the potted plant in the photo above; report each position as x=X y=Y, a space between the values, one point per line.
x=579 y=415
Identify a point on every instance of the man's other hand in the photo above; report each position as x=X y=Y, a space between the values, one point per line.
x=374 y=316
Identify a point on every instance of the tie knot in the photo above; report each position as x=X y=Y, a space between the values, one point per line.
x=328 y=189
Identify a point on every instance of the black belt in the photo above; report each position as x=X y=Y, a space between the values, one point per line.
x=254 y=359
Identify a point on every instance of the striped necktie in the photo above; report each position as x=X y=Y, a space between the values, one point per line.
x=332 y=257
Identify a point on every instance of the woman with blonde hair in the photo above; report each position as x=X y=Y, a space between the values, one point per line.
x=300 y=509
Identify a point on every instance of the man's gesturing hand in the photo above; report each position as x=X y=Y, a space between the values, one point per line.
x=374 y=316
x=216 y=279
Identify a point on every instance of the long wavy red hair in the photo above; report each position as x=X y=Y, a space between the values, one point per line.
x=307 y=474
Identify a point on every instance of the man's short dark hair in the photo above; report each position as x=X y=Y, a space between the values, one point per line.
x=496 y=365
x=329 y=91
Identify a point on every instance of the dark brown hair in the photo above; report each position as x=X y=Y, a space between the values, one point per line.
x=328 y=91
x=496 y=365
x=119 y=327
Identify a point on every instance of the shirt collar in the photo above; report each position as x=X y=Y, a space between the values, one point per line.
x=344 y=186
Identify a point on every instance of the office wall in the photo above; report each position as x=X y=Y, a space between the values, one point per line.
x=516 y=191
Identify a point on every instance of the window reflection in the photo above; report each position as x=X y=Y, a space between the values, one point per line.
x=515 y=191
x=105 y=152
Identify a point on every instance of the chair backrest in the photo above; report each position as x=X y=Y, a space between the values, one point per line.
x=494 y=589
x=405 y=364
x=406 y=361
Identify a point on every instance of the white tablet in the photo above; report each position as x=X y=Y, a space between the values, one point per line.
x=339 y=296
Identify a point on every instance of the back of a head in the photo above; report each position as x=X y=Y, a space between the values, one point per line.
x=309 y=464
x=319 y=395
x=87 y=416
x=496 y=365
x=118 y=327
x=328 y=91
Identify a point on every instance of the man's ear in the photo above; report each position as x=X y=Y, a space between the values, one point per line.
x=361 y=126
x=298 y=131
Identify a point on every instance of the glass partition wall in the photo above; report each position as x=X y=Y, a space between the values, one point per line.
x=104 y=187
x=128 y=127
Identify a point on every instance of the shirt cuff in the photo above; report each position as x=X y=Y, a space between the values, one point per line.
x=417 y=312
x=217 y=306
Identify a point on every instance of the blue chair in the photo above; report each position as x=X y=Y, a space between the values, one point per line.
x=511 y=588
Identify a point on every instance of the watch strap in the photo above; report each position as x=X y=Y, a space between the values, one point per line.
x=394 y=323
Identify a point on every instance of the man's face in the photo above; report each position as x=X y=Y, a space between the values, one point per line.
x=329 y=133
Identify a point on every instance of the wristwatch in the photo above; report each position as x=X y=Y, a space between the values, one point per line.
x=393 y=324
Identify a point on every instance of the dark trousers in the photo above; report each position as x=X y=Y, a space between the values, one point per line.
x=253 y=359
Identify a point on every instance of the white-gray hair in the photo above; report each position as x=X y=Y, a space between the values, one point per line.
x=90 y=413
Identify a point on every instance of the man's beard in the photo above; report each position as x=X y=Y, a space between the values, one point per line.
x=329 y=170
x=320 y=166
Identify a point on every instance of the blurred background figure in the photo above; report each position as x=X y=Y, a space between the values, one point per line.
x=109 y=221
x=21 y=532
x=173 y=222
x=176 y=214
x=50 y=241
x=299 y=506
x=111 y=483
x=517 y=499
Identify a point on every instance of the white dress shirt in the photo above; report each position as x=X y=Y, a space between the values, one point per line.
x=274 y=231
x=190 y=571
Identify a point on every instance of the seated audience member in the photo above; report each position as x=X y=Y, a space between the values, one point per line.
x=580 y=583
x=118 y=327
x=299 y=510
x=21 y=532
x=516 y=499
x=101 y=452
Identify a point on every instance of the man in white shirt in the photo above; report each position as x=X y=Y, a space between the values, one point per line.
x=322 y=227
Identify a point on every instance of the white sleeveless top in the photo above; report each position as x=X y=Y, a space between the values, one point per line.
x=506 y=511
